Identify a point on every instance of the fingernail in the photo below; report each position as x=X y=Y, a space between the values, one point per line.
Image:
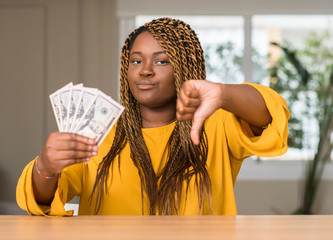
x=94 y=153
x=95 y=148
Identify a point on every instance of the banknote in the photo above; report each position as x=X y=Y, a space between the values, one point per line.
x=56 y=103
x=85 y=111
x=76 y=96
x=88 y=97
x=100 y=118
x=64 y=97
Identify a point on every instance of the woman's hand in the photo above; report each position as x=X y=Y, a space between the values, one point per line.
x=197 y=100
x=63 y=149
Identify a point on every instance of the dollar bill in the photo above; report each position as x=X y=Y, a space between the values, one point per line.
x=88 y=98
x=100 y=118
x=77 y=92
x=118 y=110
x=57 y=103
x=64 y=97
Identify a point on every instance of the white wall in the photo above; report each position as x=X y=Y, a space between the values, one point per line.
x=44 y=44
x=216 y=7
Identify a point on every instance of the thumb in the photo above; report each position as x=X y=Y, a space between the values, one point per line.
x=196 y=129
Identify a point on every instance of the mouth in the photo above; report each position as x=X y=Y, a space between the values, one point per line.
x=145 y=85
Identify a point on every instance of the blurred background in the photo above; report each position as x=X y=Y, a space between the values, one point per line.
x=286 y=44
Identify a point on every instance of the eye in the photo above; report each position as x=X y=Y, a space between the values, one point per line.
x=162 y=62
x=136 y=61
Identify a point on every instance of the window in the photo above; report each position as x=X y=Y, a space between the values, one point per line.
x=309 y=37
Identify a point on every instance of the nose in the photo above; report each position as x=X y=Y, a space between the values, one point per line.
x=147 y=70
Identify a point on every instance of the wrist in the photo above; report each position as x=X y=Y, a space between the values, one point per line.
x=222 y=100
x=44 y=173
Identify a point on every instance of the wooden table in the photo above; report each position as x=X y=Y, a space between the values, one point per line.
x=316 y=227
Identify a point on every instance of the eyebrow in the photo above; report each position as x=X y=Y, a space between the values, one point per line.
x=155 y=53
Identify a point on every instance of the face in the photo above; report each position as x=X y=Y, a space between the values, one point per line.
x=150 y=74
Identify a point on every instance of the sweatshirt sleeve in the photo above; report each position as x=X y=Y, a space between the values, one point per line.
x=273 y=140
x=65 y=192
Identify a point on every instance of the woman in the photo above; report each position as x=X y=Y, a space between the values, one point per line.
x=176 y=149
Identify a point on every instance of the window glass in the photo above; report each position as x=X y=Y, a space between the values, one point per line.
x=293 y=54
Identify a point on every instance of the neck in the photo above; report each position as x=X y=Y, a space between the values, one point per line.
x=152 y=118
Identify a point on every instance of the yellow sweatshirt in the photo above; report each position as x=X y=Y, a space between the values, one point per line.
x=229 y=141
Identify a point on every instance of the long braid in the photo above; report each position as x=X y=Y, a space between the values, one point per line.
x=185 y=160
x=128 y=130
x=183 y=154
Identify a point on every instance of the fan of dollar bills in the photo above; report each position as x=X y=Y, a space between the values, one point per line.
x=85 y=111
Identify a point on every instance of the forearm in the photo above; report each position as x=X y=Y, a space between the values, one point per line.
x=247 y=103
x=44 y=189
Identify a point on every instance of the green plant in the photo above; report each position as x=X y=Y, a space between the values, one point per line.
x=305 y=77
x=223 y=61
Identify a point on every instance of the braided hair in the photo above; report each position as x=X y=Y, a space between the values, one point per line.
x=185 y=160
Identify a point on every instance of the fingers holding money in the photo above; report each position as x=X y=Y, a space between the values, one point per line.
x=69 y=141
x=65 y=149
